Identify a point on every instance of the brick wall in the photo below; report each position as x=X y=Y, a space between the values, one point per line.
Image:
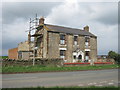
x=13 y=53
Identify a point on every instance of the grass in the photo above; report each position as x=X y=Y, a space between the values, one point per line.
x=3 y=57
x=67 y=88
x=15 y=69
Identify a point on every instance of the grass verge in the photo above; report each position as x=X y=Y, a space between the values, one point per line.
x=23 y=69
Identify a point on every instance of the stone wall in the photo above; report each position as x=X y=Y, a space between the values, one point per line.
x=93 y=48
x=23 y=46
x=81 y=43
x=69 y=51
x=45 y=36
x=53 y=45
x=42 y=61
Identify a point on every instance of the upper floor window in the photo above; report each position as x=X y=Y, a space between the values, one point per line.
x=87 y=41
x=75 y=40
x=62 y=39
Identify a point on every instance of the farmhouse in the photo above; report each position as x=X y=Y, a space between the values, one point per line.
x=52 y=41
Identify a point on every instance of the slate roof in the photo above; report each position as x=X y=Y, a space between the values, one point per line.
x=68 y=30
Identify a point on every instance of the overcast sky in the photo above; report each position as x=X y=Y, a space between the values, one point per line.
x=101 y=17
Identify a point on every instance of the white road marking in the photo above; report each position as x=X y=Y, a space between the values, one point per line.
x=92 y=83
x=110 y=83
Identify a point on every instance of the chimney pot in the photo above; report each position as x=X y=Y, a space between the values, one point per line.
x=86 y=28
x=41 y=20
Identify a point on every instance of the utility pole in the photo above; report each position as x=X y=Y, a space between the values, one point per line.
x=29 y=37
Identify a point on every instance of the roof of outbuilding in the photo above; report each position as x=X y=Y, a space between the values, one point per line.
x=62 y=29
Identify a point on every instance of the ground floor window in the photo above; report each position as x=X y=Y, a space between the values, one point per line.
x=74 y=57
x=87 y=56
x=62 y=54
x=19 y=54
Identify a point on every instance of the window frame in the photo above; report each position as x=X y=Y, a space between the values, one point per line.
x=75 y=40
x=62 y=54
x=87 y=40
x=62 y=39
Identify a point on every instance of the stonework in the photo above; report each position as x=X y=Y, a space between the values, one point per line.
x=52 y=41
x=23 y=46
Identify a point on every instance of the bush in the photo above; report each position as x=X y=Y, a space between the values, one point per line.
x=115 y=56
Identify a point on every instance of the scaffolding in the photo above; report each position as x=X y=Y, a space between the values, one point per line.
x=33 y=24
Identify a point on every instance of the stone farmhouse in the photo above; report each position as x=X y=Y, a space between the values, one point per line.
x=52 y=41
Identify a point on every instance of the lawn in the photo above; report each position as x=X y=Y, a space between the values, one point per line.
x=22 y=69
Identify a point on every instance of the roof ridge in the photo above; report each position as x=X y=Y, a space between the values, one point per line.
x=68 y=30
x=64 y=27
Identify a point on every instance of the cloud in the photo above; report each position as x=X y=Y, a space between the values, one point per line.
x=106 y=13
x=73 y=13
x=13 y=34
x=25 y=10
x=101 y=17
x=15 y=21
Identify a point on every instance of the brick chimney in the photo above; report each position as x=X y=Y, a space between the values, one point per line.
x=41 y=20
x=86 y=28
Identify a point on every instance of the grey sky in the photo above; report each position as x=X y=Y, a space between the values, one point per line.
x=101 y=17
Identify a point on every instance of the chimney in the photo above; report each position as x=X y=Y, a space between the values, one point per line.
x=41 y=20
x=86 y=28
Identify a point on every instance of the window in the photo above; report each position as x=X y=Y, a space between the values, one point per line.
x=62 y=39
x=75 y=40
x=38 y=41
x=62 y=54
x=74 y=57
x=87 y=41
x=19 y=54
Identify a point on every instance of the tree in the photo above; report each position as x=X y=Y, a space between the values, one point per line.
x=112 y=54
x=115 y=56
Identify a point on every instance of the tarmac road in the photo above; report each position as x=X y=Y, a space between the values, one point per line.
x=48 y=79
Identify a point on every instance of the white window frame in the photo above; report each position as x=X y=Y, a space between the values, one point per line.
x=62 y=56
x=62 y=41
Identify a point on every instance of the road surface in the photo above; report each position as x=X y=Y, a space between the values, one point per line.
x=48 y=79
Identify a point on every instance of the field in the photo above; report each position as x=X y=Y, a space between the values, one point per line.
x=23 y=69
x=3 y=57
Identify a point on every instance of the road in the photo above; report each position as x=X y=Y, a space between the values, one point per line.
x=48 y=79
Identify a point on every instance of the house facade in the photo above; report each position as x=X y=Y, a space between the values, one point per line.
x=70 y=44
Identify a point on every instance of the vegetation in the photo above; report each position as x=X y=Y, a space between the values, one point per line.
x=38 y=68
x=115 y=56
x=4 y=57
